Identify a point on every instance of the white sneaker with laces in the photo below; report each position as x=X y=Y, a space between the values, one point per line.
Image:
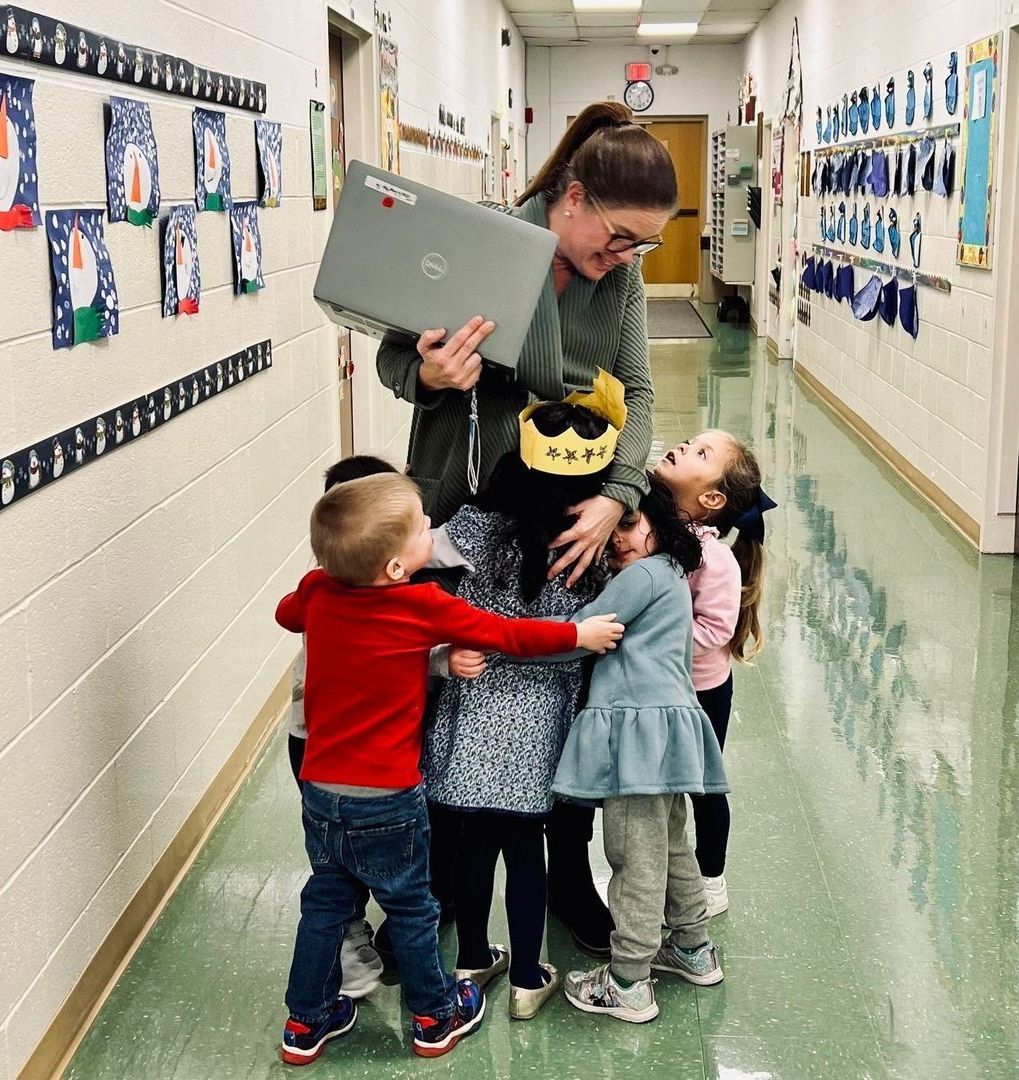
x=598 y=992
x=717 y=894
x=362 y=966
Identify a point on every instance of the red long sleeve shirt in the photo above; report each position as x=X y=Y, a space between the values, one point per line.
x=367 y=673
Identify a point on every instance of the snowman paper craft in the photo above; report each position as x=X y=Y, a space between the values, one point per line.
x=103 y=59
x=219 y=377
x=36 y=39
x=167 y=403
x=136 y=421
x=85 y=304
x=212 y=161
x=118 y=428
x=182 y=397
x=154 y=71
x=7 y=482
x=139 y=66
x=79 y=446
x=34 y=469
x=19 y=178
x=82 y=59
x=195 y=390
x=132 y=164
x=12 y=39
x=60 y=44
x=121 y=60
x=182 y=276
x=100 y=435
x=269 y=140
x=150 y=412
x=247 y=248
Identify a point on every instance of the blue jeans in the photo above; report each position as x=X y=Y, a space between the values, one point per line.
x=381 y=843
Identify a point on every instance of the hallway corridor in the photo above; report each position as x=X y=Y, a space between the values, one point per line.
x=874 y=864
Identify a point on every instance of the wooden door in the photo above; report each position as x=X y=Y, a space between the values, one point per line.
x=677 y=261
x=338 y=155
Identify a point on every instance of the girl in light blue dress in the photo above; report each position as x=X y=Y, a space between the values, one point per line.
x=642 y=744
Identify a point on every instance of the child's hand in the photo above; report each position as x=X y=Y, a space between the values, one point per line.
x=466 y=663
x=599 y=633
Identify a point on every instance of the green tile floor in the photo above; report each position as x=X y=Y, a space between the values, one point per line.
x=874 y=863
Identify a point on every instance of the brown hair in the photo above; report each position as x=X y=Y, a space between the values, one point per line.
x=740 y=483
x=616 y=160
x=358 y=526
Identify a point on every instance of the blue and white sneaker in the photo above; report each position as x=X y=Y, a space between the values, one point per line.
x=433 y=1037
x=303 y=1044
x=598 y=992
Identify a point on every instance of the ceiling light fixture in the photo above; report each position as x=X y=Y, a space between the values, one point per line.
x=607 y=7
x=665 y=29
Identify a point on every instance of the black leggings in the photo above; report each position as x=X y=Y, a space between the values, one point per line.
x=521 y=841
x=711 y=812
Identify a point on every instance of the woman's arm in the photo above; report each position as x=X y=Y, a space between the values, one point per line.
x=627 y=477
x=420 y=373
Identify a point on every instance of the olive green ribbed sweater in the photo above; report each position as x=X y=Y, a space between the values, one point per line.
x=593 y=324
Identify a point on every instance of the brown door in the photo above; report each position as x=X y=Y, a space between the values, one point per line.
x=677 y=261
x=338 y=168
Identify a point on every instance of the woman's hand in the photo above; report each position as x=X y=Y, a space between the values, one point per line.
x=586 y=537
x=466 y=663
x=455 y=365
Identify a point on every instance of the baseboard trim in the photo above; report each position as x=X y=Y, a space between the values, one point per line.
x=772 y=346
x=665 y=291
x=60 y=1041
x=923 y=485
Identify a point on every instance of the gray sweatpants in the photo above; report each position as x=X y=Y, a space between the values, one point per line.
x=653 y=869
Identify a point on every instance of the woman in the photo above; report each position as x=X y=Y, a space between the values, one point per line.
x=607 y=192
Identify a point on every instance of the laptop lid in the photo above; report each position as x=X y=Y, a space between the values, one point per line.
x=404 y=257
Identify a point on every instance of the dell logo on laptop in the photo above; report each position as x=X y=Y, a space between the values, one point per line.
x=435 y=266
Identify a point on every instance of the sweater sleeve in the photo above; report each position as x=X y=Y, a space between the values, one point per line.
x=455 y=621
x=715 y=589
x=627 y=478
x=398 y=364
x=290 y=612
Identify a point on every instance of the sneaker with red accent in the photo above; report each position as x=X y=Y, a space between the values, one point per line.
x=433 y=1037
x=302 y=1044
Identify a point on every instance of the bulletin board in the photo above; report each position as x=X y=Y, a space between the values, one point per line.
x=983 y=70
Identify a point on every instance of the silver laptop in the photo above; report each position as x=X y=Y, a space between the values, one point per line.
x=402 y=257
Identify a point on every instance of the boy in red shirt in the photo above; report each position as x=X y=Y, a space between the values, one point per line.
x=368 y=633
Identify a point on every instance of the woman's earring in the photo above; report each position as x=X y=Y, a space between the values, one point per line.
x=568 y=213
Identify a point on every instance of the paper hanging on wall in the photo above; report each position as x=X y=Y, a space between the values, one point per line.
x=269 y=140
x=182 y=276
x=212 y=161
x=319 y=175
x=132 y=166
x=19 y=179
x=33 y=467
x=85 y=305
x=247 y=248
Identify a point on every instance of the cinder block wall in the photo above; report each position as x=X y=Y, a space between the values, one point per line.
x=136 y=596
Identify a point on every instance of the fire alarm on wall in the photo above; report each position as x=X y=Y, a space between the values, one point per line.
x=528 y=115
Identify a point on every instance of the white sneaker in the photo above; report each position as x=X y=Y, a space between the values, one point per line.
x=362 y=966
x=717 y=894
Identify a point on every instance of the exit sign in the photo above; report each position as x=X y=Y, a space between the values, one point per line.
x=638 y=72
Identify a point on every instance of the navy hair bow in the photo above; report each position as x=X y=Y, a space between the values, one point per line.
x=751 y=521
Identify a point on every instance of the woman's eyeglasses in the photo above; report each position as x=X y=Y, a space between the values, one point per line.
x=617 y=243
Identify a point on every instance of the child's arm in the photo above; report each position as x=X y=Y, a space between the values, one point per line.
x=290 y=611
x=715 y=589
x=456 y=621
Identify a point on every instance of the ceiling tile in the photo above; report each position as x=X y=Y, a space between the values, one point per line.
x=742 y=6
x=540 y=6
x=537 y=20
x=595 y=19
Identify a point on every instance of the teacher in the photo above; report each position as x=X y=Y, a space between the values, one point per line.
x=607 y=192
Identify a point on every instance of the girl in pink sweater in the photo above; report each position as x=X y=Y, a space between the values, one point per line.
x=716 y=480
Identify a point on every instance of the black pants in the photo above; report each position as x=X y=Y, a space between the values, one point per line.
x=711 y=812
x=484 y=835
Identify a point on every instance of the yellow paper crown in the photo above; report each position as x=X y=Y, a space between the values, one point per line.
x=569 y=454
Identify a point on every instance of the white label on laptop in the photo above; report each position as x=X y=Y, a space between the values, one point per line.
x=388 y=189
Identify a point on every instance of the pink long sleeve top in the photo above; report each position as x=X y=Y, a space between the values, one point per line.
x=715 y=589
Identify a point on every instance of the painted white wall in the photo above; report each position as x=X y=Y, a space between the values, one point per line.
x=450 y=53
x=928 y=398
x=562 y=80
x=137 y=596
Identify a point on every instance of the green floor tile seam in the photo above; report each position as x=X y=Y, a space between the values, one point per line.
x=864 y=998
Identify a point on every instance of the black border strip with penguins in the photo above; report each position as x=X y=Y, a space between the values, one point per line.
x=47 y=460
x=56 y=43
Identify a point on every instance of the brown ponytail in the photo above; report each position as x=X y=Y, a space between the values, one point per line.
x=741 y=484
x=615 y=159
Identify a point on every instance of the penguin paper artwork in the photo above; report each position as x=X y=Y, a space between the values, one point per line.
x=132 y=168
x=19 y=179
x=85 y=305
x=182 y=277
x=212 y=161
x=247 y=248
x=269 y=139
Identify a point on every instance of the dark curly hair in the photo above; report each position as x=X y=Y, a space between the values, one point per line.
x=672 y=528
x=537 y=503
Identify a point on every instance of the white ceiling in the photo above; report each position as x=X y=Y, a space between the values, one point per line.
x=719 y=22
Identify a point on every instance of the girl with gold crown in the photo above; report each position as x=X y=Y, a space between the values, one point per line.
x=496 y=738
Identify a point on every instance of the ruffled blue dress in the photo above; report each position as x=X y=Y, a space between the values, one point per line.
x=642 y=731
